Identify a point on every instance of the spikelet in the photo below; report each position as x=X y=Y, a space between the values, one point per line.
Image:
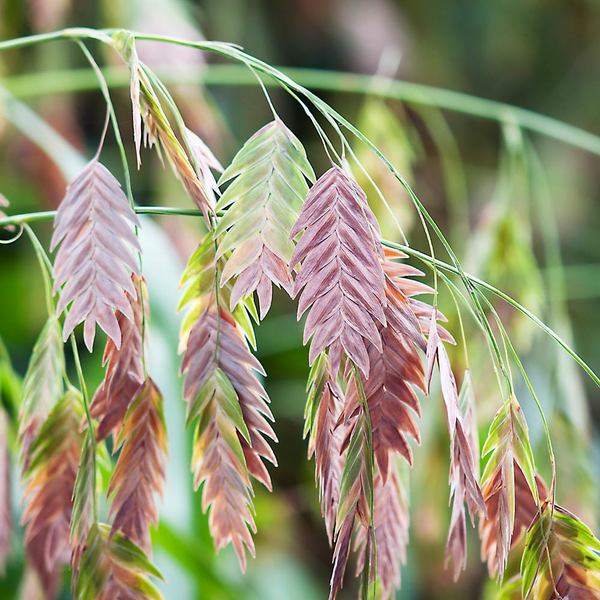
x=396 y=371
x=206 y=162
x=199 y=279
x=148 y=95
x=6 y=525
x=49 y=484
x=139 y=474
x=561 y=557
x=507 y=444
x=42 y=386
x=323 y=410
x=526 y=509
x=463 y=462
x=113 y=568
x=94 y=227
x=391 y=522
x=227 y=404
x=124 y=368
x=82 y=515
x=394 y=376
x=355 y=497
x=262 y=202
x=464 y=476
x=341 y=274
x=230 y=407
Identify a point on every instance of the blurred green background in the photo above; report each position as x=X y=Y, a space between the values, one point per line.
x=521 y=211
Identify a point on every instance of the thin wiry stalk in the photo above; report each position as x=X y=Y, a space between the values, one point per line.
x=45 y=268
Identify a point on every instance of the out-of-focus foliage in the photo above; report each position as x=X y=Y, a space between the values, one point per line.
x=543 y=56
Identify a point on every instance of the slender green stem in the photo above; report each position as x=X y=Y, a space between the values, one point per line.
x=460 y=294
x=45 y=268
x=48 y=215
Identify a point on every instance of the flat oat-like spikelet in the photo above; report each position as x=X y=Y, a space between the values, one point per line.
x=93 y=267
x=507 y=445
x=148 y=95
x=355 y=497
x=561 y=558
x=230 y=407
x=139 y=475
x=5 y=493
x=124 y=368
x=269 y=186
x=341 y=274
x=396 y=371
x=42 y=386
x=394 y=376
x=391 y=522
x=113 y=568
x=526 y=509
x=200 y=279
x=48 y=492
x=206 y=163
x=323 y=410
x=82 y=516
x=464 y=476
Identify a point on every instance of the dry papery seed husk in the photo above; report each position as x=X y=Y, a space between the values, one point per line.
x=561 y=557
x=526 y=510
x=268 y=186
x=229 y=405
x=113 y=567
x=391 y=520
x=510 y=456
x=139 y=475
x=49 y=484
x=124 y=365
x=94 y=264
x=341 y=276
x=152 y=126
x=396 y=372
x=464 y=475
